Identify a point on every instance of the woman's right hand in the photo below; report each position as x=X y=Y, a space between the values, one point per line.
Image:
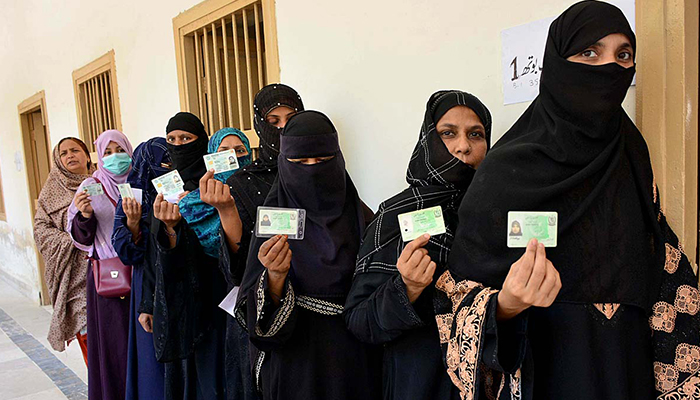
x=531 y=281
x=83 y=204
x=132 y=210
x=146 y=321
x=276 y=256
x=416 y=267
x=167 y=212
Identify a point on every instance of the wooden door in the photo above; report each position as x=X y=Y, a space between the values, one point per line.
x=38 y=159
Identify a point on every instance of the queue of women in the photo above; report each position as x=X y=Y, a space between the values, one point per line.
x=352 y=311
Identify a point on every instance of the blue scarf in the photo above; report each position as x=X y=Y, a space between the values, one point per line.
x=200 y=216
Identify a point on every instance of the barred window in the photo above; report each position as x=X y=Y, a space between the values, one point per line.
x=96 y=98
x=226 y=52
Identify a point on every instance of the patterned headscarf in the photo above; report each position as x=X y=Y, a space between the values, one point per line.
x=435 y=177
x=61 y=184
x=151 y=160
x=200 y=216
x=268 y=98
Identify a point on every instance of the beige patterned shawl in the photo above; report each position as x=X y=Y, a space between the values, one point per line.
x=66 y=266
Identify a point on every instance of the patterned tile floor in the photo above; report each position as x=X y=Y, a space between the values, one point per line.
x=29 y=368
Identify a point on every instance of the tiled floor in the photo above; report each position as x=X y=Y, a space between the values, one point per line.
x=29 y=368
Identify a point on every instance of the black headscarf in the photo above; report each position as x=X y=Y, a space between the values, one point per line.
x=435 y=177
x=250 y=185
x=267 y=99
x=574 y=151
x=187 y=158
x=323 y=262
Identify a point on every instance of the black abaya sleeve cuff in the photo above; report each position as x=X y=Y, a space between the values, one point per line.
x=163 y=241
x=505 y=342
x=410 y=309
x=272 y=317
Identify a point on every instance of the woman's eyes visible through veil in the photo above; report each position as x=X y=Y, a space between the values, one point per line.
x=625 y=55
x=589 y=53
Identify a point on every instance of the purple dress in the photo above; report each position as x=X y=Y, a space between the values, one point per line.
x=108 y=319
x=108 y=329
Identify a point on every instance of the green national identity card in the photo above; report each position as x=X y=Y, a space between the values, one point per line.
x=94 y=189
x=416 y=223
x=525 y=225
x=170 y=186
x=222 y=161
x=273 y=221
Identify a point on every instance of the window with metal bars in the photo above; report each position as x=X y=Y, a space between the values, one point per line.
x=96 y=98
x=226 y=53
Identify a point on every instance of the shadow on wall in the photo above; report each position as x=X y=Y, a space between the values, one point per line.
x=18 y=261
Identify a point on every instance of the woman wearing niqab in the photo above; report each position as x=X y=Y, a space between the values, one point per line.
x=294 y=316
x=624 y=323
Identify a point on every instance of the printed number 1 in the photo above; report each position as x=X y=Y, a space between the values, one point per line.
x=514 y=64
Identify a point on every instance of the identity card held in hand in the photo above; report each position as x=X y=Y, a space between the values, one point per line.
x=416 y=223
x=273 y=221
x=525 y=225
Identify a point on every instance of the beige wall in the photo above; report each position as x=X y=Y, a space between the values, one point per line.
x=377 y=62
x=41 y=43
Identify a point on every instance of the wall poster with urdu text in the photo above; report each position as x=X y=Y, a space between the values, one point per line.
x=522 y=50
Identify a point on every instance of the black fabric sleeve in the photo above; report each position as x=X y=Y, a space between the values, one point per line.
x=148 y=284
x=377 y=309
x=84 y=229
x=505 y=342
x=232 y=265
x=271 y=325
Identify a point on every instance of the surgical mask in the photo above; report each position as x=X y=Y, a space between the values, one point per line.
x=117 y=163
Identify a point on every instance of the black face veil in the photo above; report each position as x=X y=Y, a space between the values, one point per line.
x=187 y=158
x=574 y=151
x=324 y=261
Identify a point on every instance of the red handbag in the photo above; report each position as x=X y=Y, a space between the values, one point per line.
x=112 y=277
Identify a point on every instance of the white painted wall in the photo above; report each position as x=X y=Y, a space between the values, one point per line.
x=370 y=65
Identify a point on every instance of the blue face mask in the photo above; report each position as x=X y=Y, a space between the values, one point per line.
x=117 y=163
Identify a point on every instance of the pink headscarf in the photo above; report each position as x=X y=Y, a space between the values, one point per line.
x=108 y=179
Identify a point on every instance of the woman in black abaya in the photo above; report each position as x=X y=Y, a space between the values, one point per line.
x=293 y=291
x=611 y=312
x=391 y=300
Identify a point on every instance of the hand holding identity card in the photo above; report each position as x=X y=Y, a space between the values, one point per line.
x=170 y=186
x=416 y=223
x=127 y=192
x=94 y=189
x=525 y=225
x=222 y=161
x=273 y=221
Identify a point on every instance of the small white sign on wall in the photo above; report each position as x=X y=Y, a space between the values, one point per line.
x=522 y=51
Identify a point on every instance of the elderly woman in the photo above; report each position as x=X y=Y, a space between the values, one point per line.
x=65 y=265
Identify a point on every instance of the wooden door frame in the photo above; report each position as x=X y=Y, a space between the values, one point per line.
x=667 y=107
x=37 y=102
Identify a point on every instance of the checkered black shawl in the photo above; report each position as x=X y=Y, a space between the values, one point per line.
x=435 y=178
